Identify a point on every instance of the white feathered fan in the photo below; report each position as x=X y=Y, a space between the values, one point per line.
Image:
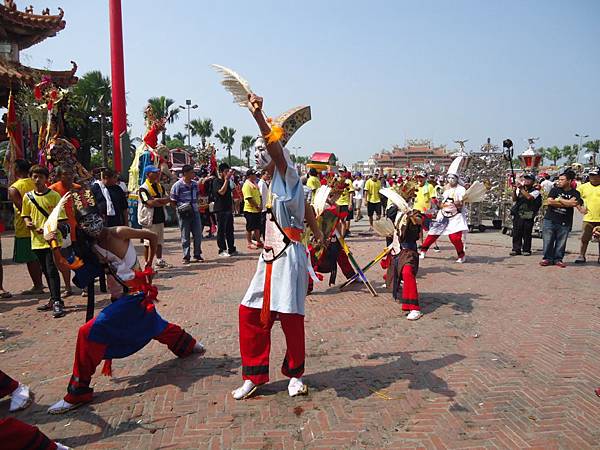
x=235 y=84
x=51 y=225
x=396 y=199
x=320 y=200
x=384 y=227
x=475 y=193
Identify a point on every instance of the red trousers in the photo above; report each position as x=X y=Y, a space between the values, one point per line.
x=255 y=344
x=89 y=354
x=17 y=435
x=455 y=238
x=410 y=295
x=7 y=385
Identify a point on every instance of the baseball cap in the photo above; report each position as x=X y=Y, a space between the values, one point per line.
x=250 y=172
x=150 y=169
x=595 y=171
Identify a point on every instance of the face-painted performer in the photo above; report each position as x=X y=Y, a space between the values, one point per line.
x=131 y=320
x=278 y=288
x=451 y=219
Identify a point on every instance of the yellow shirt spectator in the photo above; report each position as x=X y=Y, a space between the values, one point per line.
x=590 y=195
x=23 y=185
x=423 y=197
x=344 y=199
x=372 y=187
x=47 y=201
x=250 y=190
x=313 y=183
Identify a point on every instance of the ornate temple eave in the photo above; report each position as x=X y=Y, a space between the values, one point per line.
x=27 y=28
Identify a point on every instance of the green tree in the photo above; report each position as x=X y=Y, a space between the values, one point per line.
x=246 y=145
x=225 y=136
x=90 y=116
x=181 y=136
x=593 y=147
x=570 y=152
x=234 y=161
x=175 y=143
x=161 y=107
x=201 y=127
x=553 y=154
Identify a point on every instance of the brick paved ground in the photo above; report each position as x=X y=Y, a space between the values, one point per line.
x=505 y=357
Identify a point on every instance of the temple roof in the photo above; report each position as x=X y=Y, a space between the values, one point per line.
x=26 y=28
x=15 y=74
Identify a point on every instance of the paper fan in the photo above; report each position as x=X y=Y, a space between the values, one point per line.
x=292 y=120
x=320 y=199
x=235 y=84
x=384 y=227
x=51 y=225
x=475 y=193
x=396 y=199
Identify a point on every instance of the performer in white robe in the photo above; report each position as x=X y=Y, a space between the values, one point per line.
x=278 y=289
x=451 y=219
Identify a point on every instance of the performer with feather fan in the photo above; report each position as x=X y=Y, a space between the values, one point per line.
x=131 y=320
x=283 y=263
x=451 y=219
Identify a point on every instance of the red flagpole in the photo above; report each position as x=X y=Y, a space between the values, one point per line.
x=119 y=118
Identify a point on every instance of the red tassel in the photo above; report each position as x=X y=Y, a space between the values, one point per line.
x=265 y=313
x=107 y=368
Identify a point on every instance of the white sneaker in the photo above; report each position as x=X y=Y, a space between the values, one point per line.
x=162 y=264
x=436 y=249
x=59 y=446
x=245 y=390
x=414 y=315
x=461 y=260
x=297 y=387
x=199 y=348
x=224 y=254
x=421 y=254
x=20 y=398
x=62 y=406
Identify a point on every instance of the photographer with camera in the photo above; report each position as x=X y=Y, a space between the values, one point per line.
x=527 y=202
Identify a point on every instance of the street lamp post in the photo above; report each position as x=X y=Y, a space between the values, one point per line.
x=188 y=106
x=581 y=138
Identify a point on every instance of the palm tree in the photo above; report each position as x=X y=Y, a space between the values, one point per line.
x=553 y=153
x=201 y=127
x=225 y=136
x=180 y=136
x=594 y=148
x=94 y=94
x=570 y=152
x=161 y=107
x=247 y=143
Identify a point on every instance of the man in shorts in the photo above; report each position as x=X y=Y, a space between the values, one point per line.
x=22 y=247
x=590 y=194
x=152 y=196
x=372 y=187
x=252 y=210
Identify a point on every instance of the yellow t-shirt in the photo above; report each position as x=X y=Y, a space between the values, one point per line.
x=372 y=187
x=47 y=201
x=313 y=183
x=423 y=197
x=250 y=190
x=344 y=199
x=22 y=185
x=591 y=199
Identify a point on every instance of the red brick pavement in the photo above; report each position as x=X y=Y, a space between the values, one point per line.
x=505 y=357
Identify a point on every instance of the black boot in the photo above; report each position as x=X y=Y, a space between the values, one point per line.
x=58 y=310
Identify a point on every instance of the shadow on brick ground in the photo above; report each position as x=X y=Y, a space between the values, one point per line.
x=358 y=382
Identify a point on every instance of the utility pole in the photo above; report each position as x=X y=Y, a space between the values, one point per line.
x=188 y=106
x=581 y=138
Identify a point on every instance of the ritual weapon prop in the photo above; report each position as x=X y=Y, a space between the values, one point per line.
x=375 y=260
x=355 y=265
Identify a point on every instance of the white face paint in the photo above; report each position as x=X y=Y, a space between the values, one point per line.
x=452 y=180
x=261 y=155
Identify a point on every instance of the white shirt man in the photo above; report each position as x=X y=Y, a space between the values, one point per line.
x=359 y=186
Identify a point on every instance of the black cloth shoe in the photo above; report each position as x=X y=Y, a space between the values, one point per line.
x=58 y=310
x=45 y=306
x=514 y=253
x=526 y=253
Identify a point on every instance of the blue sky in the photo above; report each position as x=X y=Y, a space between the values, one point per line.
x=375 y=73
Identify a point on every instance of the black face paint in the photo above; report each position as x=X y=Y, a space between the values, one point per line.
x=92 y=224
